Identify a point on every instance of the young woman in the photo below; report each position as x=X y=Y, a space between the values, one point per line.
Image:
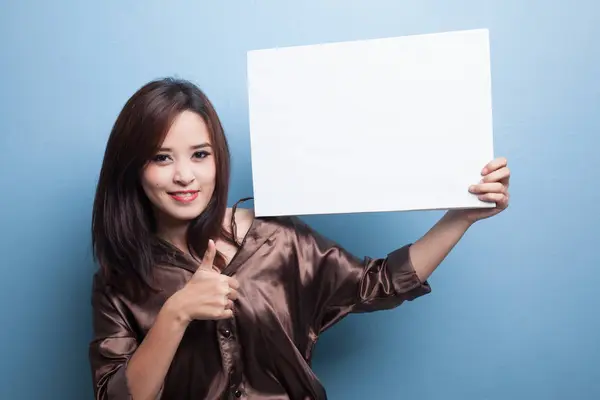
x=196 y=301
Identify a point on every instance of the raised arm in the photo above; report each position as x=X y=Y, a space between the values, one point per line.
x=341 y=283
x=429 y=251
x=336 y=283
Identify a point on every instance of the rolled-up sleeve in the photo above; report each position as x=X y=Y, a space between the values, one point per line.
x=341 y=283
x=111 y=347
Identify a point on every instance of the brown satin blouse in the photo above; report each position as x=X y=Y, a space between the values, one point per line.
x=294 y=284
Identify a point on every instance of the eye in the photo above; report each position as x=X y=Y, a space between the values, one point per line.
x=201 y=154
x=160 y=158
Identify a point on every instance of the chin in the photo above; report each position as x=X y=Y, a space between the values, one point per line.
x=181 y=215
x=185 y=216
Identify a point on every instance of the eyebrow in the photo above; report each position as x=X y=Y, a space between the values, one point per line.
x=196 y=147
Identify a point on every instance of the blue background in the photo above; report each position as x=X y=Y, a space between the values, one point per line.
x=514 y=309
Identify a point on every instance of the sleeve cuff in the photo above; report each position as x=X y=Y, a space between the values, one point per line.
x=404 y=277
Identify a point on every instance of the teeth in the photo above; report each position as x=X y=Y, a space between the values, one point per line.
x=184 y=194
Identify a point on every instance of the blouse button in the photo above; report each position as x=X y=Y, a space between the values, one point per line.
x=227 y=333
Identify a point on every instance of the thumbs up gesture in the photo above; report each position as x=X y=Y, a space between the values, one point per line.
x=208 y=295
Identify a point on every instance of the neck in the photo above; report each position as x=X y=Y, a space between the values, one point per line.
x=174 y=232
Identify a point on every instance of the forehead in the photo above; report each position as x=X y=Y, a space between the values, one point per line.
x=187 y=129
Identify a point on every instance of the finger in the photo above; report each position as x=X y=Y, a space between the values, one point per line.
x=501 y=175
x=233 y=294
x=495 y=164
x=220 y=302
x=209 y=256
x=233 y=283
x=224 y=288
x=504 y=202
x=494 y=187
x=498 y=198
x=225 y=314
x=224 y=309
x=230 y=282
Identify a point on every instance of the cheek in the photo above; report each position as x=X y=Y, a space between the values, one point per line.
x=154 y=179
x=206 y=174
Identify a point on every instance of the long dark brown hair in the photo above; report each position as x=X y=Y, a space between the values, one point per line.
x=123 y=224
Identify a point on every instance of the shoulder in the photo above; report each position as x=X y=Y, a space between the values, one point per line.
x=294 y=228
x=99 y=281
x=101 y=293
x=285 y=225
x=291 y=223
x=105 y=293
x=242 y=215
x=243 y=219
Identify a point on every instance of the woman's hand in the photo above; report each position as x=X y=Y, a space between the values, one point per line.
x=492 y=188
x=208 y=295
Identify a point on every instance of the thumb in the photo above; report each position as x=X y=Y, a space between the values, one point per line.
x=207 y=259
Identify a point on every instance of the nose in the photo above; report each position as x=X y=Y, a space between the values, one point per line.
x=184 y=174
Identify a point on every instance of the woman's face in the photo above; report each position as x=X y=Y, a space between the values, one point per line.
x=180 y=179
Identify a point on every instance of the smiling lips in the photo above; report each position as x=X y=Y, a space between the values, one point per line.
x=184 y=196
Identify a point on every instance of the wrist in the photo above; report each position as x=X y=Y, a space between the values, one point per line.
x=174 y=312
x=459 y=218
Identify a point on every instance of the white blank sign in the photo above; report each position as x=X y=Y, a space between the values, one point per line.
x=392 y=124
